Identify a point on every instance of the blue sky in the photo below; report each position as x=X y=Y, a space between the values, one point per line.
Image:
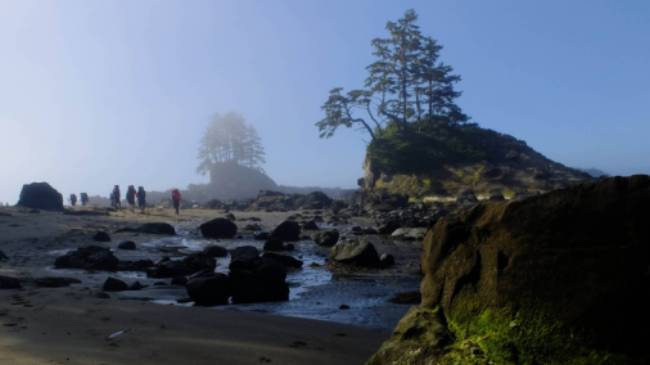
x=97 y=93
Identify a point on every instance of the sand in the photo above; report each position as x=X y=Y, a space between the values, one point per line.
x=72 y=325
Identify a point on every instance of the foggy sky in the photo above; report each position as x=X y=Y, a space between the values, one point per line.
x=99 y=93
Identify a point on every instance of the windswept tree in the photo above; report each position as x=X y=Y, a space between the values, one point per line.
x=229 y=139
x=405 y=85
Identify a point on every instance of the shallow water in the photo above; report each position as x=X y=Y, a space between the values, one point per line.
x=315 y=292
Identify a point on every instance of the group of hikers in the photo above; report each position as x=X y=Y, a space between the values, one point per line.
x=82 y=196
x=140 y=195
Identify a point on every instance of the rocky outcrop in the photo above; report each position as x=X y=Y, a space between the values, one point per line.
x=218 y=228
x=559 y=278
x=286 y=231
x=209 y=290
x=41 y=196
x=356 y=252
x=88 y=258
x=277 y=201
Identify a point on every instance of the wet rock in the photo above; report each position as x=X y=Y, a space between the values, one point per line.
x=409 y=297
x=215 y=251
x=3 y=257
x=168 y=268
x=286 y=260
x=101 y=236
x=209 y=291
x=310 y=226
x=157 y=228
x=286 y=231
x=326 y=238
x=386 y=261
x=415 y=233
x=41 y=196
x=344 y=307
x=55 y=282
x=8 y=282
x=137 y=286
x=219 y=228
x=262 y=282
x=358 y=253
x=126 y=245
x=112 y=285
x=88 y=258
x=137 y=265
x=277 y=245
x=389 y=226
x=179 y=280
x=245 y=257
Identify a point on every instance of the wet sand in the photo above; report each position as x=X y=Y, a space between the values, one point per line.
x=71 y=325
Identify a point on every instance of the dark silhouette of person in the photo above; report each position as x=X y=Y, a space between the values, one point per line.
x=116 y=197
x=73 y=200
x=176 y=200
x=84 y=199
x=130 y=196
x=142 y=198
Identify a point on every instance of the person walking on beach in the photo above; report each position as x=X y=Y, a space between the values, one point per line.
x=116 y=197
x=73 y=199
x=142 y=198
x=84 y=199
x=130 y=196
x=176 y=200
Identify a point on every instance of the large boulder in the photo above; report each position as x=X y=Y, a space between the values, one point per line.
x=286 y=231
x=262 y=282
x=41 y=196
x=8 y=282
x=209 y=290
x=558 y=278
x=191 y=264
x=316 y=200
x=157 y=228
x=219 y=228
x=326 y=238
x=88 y=258
x=355 y=252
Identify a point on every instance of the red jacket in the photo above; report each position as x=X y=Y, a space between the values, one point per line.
x=176 y=195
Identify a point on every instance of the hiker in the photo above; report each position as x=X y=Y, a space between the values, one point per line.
x=130 y=196
x=115 y=197
x=73 y=199
x=176 y=200
x=84 y=199
x=142 y=198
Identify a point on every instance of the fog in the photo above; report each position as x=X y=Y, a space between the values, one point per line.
x=94 y=94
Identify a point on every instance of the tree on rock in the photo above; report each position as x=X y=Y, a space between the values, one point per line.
x=407 y=84
x=229 y=138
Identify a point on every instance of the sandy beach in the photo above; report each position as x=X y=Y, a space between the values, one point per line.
x=73 y=325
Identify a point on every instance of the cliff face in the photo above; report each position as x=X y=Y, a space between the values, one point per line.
x=560 y=278
x=452 y=159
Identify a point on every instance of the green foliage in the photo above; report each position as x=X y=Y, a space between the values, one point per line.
x=229 y=139
x=406 y=84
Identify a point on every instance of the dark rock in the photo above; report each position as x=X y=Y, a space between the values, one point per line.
x=55 y=282
x=326 y=238
x=126 y=245
x=179 y=280
x=310 y=226
x=7 y=282
x=101 y=236
x=286 y=231
x=567 y=271
x=253 y=227
x=263 y=282
x=389 y=226
x=102 y=295
x=386 y=261
x=358 y=253
x=137 y=265
x=409 y=297
x=344 y=307
x=157 y=228
x=245 y=257
x=316 y=200
x=112 y=284
x=137 y=286
x=211 y=290
x=3 y=257
x=41 y=196
x=276 y=245
x=88 y=258
x=286 y=260
x=231 y=217
x=191 y=264
x=219 y=228
x=215 y=251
